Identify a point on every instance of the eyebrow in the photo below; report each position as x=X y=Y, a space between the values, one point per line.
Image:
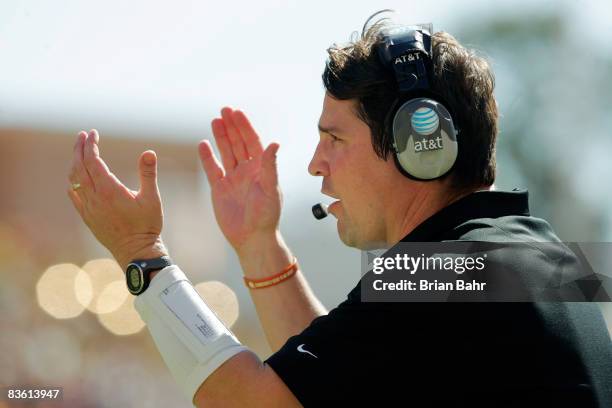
x=328 y=129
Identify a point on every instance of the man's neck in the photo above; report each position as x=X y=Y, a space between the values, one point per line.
x=425 y=203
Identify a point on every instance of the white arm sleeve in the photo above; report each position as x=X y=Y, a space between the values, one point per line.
x=190 y=338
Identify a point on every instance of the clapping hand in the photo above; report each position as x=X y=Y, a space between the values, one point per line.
x=128 y=223
x=244 y=185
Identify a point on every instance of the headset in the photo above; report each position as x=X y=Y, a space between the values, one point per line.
x=424 y=133
x=422 y=127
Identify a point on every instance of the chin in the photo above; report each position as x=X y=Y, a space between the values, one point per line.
x=344 y=235
x=358 y=241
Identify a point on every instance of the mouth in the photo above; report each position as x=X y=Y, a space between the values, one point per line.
x=324 y=192
x=334 y=207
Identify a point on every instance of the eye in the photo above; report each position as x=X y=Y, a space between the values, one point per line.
x=334 y=138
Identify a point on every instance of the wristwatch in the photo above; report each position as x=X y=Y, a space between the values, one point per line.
x=138 y=272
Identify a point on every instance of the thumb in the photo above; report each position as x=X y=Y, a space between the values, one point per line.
x=147 y=166
x=269 y=174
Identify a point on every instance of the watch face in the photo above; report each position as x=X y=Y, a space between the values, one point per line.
x=134 y=278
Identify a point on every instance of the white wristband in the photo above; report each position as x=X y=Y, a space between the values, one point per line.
x=191 y=339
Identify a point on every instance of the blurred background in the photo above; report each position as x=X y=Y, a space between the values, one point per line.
x=153 y=74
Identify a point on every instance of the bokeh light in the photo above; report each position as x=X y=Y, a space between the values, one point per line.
x=221 y=299
x=63 y=291
x=112 y=297
x=124 y=320
x=103 y=272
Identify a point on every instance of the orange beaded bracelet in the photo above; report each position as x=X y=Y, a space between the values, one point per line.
x=274 y=279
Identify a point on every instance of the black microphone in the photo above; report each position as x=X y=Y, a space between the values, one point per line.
x=319 y=211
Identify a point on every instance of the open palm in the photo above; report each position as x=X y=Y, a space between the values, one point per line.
x=245 y=193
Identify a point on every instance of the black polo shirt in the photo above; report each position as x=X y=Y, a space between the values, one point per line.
x=455 y=354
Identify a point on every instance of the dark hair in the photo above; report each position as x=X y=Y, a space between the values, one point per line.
x=463 y=79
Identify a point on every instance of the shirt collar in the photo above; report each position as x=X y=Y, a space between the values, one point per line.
x=480 y=204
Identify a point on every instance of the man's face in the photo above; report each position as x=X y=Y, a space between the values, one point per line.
x=353 y=174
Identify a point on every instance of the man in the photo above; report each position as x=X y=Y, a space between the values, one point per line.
x=360 y=353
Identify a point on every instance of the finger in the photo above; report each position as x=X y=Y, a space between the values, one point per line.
x=102 y=179
x=77 y=150
x=225 y=149
x=76 y=201
x=235 y=139
x=96 y=167
x=78 y=173
x=249 y=135
x=269 y=174
x=147 y=166
x=212 y=167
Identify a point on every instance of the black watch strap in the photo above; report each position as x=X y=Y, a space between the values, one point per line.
x=138 y=272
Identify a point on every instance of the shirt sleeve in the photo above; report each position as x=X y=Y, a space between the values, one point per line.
x=328 y=362
x=352 y=356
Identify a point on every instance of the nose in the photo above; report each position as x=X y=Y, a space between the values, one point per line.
x=318 y=164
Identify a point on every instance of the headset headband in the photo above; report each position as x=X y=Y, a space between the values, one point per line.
x=407 y=51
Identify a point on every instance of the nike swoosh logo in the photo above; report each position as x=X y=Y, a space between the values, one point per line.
x=300 y=348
